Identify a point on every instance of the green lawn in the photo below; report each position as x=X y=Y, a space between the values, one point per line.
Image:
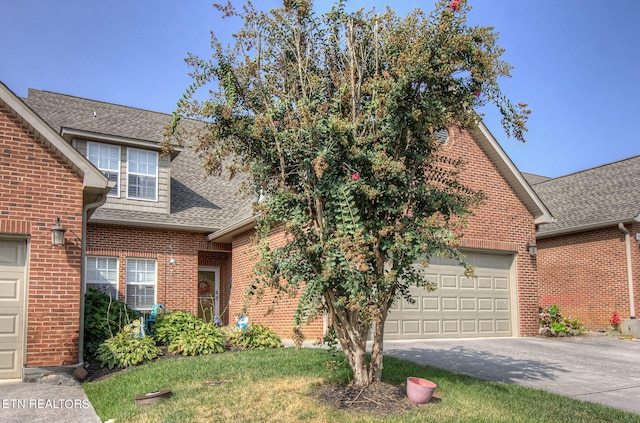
x=276 y=386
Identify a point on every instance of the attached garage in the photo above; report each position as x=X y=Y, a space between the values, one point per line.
x=12 y=307
x=460 y=307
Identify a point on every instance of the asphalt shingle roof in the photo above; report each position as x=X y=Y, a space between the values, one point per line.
x=593 y=197
x=197 y=202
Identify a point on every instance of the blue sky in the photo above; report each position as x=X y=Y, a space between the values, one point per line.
x=576 y=63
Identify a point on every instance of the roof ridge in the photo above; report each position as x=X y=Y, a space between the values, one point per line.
x=98 y=101
x=590 y=169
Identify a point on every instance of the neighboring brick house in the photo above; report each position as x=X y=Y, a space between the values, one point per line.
x=589 y=259
x=42 y=178
x=166 y=234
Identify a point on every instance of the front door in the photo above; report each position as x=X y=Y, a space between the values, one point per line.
x=208 y=293
x=12 y=303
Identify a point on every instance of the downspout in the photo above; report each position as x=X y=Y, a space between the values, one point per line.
x=627 y=241
x=83 y=253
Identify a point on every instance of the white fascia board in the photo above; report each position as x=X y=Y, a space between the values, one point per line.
x=516 y=180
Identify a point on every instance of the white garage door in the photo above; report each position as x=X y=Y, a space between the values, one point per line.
x=12 y=281
x=460 y=307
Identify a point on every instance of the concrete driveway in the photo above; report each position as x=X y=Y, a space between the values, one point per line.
x=601 y=369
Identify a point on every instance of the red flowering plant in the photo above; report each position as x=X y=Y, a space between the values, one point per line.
x=615 y=321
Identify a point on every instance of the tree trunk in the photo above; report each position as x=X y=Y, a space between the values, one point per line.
x=375 y=368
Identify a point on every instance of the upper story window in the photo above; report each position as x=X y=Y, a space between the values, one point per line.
x=142 y=168
x=106 y=158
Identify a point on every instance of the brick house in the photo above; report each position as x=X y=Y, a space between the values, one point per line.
x=166 y=234
x=41 y=178
x=589 y=259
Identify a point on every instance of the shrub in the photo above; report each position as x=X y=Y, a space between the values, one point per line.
x=127 y=349
x=103 y=318
x=553 y=324
x=254 y=337
x=170 y=325
x=205 y=339
x=615 y=321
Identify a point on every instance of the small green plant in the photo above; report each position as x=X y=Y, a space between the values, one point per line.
x=553 y=324
x=127 y=348
x=205 y=339
x=170 y=325
x=104 y=317
x=254 y=337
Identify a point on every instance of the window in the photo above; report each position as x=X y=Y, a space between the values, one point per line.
x=107 y=159
x=143 y=174
x=102 y=273
x=141 y=283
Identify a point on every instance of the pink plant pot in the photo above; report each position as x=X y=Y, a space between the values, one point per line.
x=420 y=390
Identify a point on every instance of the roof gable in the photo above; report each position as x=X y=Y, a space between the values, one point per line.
x=92 y=178
x=511 y=174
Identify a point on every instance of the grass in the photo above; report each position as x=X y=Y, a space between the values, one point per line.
x=276 y=386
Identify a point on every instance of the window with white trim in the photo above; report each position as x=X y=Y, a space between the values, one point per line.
x=102 y=273
x=142 y=169
x=141 y=283
x=107 y=159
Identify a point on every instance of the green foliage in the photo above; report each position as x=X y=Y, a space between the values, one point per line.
x=126 y=349
x=103 y=318
x=169 y=326
x=552 y=323
x=204 y=339
x=334 y=117
x=254 y=337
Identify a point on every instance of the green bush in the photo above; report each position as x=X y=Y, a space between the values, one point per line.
x=204 y=339
x=552 y=323
x=127 y=349
x=170 y=325
x=103 y=318
x=254 y=337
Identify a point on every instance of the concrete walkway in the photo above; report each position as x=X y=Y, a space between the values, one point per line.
x=601 y=369
x=23 y=402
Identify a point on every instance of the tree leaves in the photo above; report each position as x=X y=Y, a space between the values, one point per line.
x=335 y=117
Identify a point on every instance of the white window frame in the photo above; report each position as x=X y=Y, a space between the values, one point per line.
x=96 y=145
x=137 y=280
x=98 y=268
x=142 y=174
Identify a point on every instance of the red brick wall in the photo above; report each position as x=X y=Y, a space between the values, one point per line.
x=586 y=274
x=502 y=223
x=36 y=186
x=276 y=315
x=180 y=279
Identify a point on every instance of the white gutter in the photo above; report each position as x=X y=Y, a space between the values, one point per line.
x=627 y=241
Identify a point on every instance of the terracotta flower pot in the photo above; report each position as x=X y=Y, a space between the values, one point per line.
x=420 y=390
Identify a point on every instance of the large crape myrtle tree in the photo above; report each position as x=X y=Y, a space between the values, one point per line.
x=335 y=118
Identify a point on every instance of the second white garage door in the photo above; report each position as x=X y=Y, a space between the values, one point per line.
x=460 y=307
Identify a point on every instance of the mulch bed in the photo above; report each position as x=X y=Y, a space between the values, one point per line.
x=382 y=399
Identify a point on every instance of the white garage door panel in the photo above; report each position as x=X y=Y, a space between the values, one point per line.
x=461 y=306
x=12 y=280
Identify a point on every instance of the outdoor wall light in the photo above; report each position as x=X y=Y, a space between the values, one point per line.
x=57 y=234
x=532 y=248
